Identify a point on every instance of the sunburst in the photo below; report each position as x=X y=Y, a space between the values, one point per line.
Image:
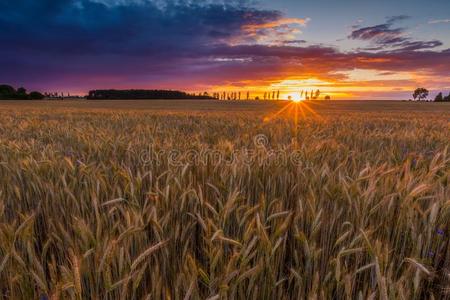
x=296 y=109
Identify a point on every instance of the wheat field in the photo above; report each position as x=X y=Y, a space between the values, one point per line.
x=117 y=200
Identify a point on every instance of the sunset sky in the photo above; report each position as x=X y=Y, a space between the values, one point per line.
x=348 y=49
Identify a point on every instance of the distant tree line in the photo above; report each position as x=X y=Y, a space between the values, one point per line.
x=8 y=92
x=143 y=94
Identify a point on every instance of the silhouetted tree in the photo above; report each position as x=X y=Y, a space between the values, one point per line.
x=439 y=98
x=316 y=96
x=21 y=90
x=278 y=95
x=327 y=97
x=248 y=95
x=420 y=94
x=447 y=99
x=7 y=92
x=21 y=94
x=36 y=96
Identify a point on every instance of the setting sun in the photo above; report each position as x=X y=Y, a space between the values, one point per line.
x=295 y=97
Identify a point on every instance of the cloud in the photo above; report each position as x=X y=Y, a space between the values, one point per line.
x=439 y=21
x=381 y=34
x=385 y=36
x=293 y=42
x=319 y=59
x=130 y=27
x=49 y=39
x=395 y=19
x=274 y=32
x=275 y=24
x=419 y=45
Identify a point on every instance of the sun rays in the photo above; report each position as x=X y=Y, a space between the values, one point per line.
x=295 y=110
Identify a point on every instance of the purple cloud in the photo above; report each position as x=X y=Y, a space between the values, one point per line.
x=380 y=34
x=385 y=36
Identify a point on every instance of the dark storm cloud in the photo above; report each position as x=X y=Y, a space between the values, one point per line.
x=48 y=39
x=87 y=27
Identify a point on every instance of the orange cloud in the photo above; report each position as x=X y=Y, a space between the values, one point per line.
x=273 y=32
x=253 y=28
x=373 y=59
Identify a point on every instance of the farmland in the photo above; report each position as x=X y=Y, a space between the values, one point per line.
x=203 y=199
